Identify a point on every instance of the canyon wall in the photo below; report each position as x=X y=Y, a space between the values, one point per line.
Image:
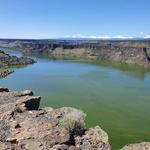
x=131 y=52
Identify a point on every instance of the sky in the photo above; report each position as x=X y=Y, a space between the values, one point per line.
x=40 y=19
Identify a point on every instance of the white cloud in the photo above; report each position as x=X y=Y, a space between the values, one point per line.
x=106 y=36
x=122 y=37
x=98 y=37
x=146 y=36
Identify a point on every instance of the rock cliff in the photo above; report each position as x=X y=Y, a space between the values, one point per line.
x=132 y=52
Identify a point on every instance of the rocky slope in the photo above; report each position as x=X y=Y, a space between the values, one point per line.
x=132 y=52
x=7 y=61
x=23 y=126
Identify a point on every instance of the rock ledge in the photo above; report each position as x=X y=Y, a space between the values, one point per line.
x=23 y=126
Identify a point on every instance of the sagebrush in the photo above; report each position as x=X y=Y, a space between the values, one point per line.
x=74 y=122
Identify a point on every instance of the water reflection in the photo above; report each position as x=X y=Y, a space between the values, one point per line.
x=133 y=71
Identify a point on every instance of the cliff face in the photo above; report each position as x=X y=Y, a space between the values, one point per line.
x=130 y=55
x=126 y=52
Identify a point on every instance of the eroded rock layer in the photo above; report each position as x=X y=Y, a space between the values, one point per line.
x=131 y=52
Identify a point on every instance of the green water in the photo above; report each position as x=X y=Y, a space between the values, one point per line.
x=118 y=100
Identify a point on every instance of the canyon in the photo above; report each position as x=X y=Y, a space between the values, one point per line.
x=24 y=125
x=130 y=52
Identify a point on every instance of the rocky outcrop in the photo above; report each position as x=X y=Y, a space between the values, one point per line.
x=23 y=126
x=139 y=146
x=3 y=89
x=5 y=72
x=93 y=139
x=131 y=52
x=7 y=61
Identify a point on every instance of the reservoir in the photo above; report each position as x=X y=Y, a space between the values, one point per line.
x=116 y=99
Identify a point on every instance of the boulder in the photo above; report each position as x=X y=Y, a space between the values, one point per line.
x=93 y=139
x=26 y=92
x=18 y=101
x=28 y=103
x=3 y=89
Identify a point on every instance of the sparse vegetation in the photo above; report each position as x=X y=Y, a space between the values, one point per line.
x=18 y=109
x=74 y=122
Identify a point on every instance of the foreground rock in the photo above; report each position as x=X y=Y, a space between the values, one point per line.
x=93 y=139
x=23 y=126
x=7 y=61
x=3 y=89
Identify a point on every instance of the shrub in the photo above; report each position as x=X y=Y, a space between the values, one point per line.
x=18 y=109
x=74 y=122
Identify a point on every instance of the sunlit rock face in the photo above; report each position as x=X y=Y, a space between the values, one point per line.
x=131 y=52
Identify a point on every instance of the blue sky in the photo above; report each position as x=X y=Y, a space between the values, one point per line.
x=74 y=18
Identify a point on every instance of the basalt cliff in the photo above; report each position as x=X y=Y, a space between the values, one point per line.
x=130 y=52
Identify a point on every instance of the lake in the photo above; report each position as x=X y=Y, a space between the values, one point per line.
x=117 y=99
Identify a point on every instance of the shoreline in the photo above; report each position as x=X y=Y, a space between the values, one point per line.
x=7 y=62
x=130 y=52
x=82 y=59
x=5 y=72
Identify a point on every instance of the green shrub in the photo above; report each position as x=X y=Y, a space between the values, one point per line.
x=74 y=122
x=18 y=109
